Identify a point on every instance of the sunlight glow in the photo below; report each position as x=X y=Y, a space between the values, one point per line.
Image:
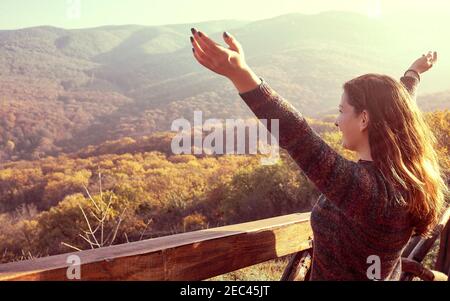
x=374 y=9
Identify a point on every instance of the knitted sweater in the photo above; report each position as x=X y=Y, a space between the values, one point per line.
x=350 y=221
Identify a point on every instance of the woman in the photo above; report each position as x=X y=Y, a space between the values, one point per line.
x=370 y=207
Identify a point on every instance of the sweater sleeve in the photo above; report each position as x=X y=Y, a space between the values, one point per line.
x=339 y=179
x=411 y=84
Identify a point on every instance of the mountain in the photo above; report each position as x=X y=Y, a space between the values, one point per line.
x=435 y=101
x=62 y=90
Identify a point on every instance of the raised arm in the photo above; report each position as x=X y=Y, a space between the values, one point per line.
x=412 y=76
x=340 y=180
x=411 y=84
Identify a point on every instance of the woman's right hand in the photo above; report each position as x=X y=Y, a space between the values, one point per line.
x=216 y=58
x=425 y=62
x=229 y=62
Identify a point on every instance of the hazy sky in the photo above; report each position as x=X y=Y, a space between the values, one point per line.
x=91 y=13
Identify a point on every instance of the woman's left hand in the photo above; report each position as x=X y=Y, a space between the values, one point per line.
x=424 y=63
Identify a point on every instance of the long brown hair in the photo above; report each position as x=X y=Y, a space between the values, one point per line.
x=402 y=146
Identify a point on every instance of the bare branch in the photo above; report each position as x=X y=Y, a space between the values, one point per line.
x=90 y=242
x=96 y=217
x=100 y=180
x=90 y=197
x=117 y=227
x=145 y=229
x=105 y=215
x=89 y=225
x=70 y=246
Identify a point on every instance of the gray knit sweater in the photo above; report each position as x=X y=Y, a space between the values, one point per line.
x=350 y=221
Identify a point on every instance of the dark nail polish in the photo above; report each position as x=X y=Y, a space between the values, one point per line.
x=192 y=40
x=225 y=34
x=193 y=50
x=193 y=31
x=200 y=34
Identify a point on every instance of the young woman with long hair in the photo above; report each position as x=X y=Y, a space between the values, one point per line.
x=369 y=207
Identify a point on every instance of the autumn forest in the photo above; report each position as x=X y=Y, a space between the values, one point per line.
x=85 y=140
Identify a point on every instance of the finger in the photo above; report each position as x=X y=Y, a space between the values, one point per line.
x=203 y=60
x=232 y=42
x=197 y=37
x=201 y=57
x=204 y=46
x=197 y=47
x=206 y=42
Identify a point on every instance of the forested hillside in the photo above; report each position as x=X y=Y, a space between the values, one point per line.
x=63 y=90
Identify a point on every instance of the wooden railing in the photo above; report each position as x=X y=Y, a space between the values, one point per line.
x=189 y=256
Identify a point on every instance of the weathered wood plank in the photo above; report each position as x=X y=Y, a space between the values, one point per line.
x=299 y=267
x=421 y=246
x=188 y=256
x=424 y=245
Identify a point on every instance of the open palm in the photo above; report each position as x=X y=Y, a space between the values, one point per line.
x=221 y=60
x=425 y=62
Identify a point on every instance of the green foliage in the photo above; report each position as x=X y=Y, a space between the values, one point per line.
x=151 y=193
x=266 y=191
x=62 y=90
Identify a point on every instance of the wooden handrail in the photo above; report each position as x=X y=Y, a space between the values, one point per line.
x=188 y=256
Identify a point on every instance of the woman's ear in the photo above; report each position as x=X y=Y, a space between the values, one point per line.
x=364 y=121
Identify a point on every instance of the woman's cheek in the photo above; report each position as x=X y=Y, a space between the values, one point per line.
x=342 y=129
